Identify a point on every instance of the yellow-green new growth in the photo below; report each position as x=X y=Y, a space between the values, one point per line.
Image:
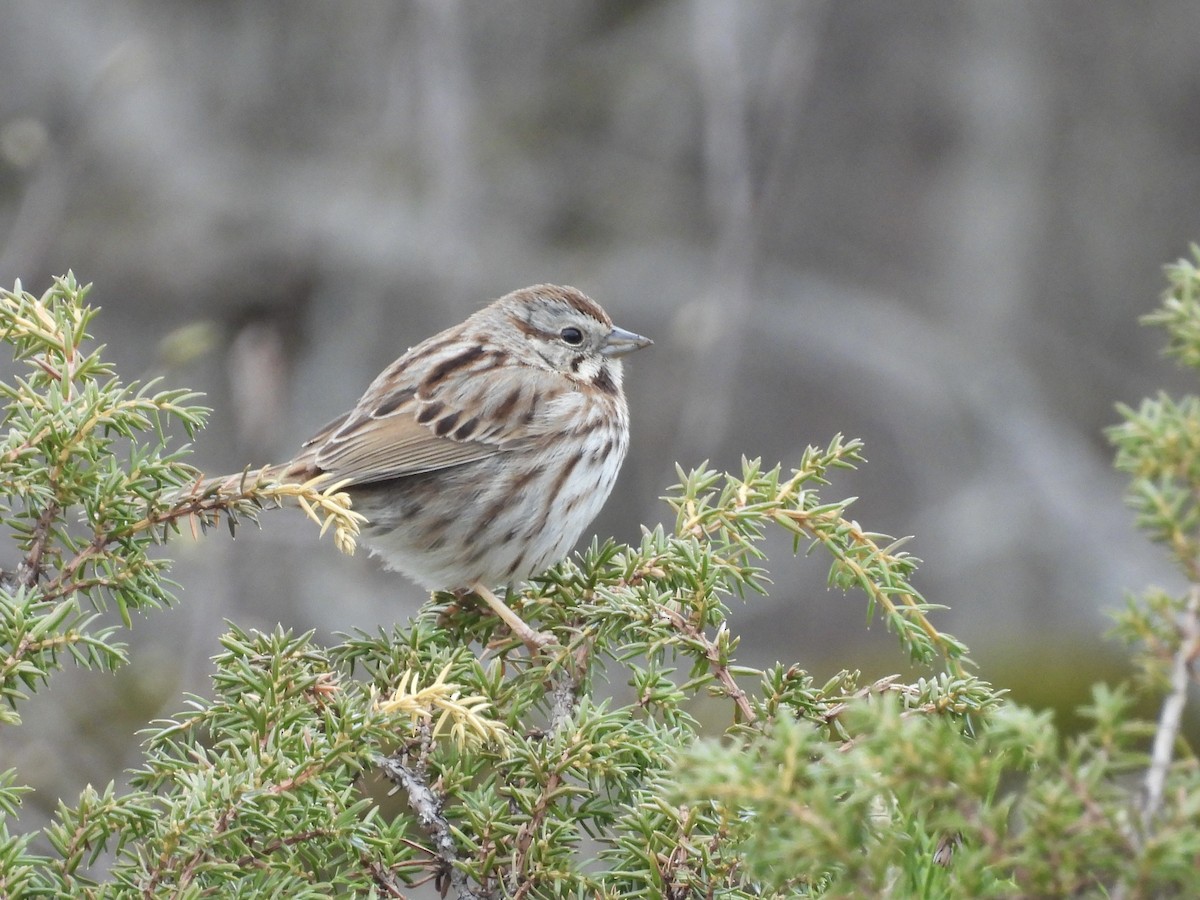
x=465 y=714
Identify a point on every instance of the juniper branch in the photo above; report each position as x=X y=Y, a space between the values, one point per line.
x=30 y=568
x=428 y=807
x=718 y=666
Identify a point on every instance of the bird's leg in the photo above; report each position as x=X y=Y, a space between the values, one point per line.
x=534 y=640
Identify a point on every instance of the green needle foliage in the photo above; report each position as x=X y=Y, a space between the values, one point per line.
x=442 y=753
x=83 y=466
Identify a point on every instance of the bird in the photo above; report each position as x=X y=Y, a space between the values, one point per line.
x=481 y=454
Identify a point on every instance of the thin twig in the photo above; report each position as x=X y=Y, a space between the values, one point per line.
x=28 y=647
x=1172 y=709
x=519 y=884
x=30 y=568
x=817 y=526
x=383 y=878
x=712 y=653
x=257 y=857
x=188 y=872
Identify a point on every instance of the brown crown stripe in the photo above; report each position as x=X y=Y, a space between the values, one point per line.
x=579 y=301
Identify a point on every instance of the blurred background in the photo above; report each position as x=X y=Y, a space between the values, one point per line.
x=931 y=226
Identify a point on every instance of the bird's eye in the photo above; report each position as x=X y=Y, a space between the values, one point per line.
x=572 y=336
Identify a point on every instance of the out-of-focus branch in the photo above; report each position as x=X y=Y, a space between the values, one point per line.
x=1172 y=710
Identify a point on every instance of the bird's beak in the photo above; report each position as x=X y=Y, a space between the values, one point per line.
x=619 y=342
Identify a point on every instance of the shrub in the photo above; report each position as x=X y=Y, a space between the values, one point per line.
x=520 y=776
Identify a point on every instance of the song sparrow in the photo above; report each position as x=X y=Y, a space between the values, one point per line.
x=480 y=455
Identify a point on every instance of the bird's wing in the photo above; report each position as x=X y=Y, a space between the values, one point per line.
x=432 y=412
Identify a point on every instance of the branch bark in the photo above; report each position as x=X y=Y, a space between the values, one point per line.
x=1172 y=710
x=428 y=807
